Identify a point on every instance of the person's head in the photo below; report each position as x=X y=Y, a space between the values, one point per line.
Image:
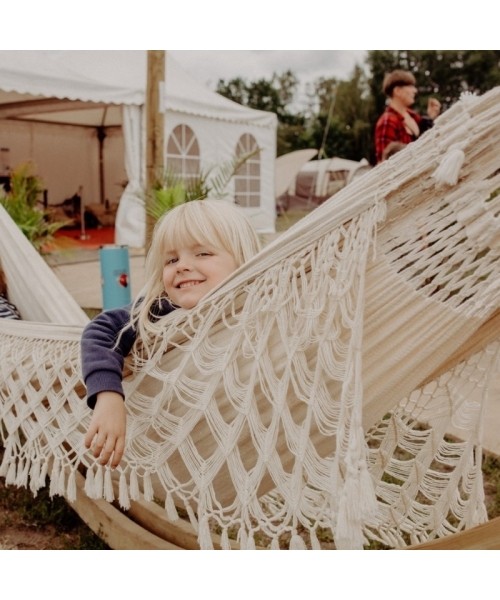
x=400 y=85
x=194 y=247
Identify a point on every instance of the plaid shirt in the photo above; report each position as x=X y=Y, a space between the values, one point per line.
x=390 y=128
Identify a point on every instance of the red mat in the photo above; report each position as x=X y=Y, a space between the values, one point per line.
x=91 y=239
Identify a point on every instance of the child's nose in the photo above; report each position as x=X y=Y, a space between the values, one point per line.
x=183 y=264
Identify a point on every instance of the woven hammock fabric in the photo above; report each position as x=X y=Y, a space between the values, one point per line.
x=318 y=390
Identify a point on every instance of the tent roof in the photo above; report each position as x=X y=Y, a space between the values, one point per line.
x=73 y=78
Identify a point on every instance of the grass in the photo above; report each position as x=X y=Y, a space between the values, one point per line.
x=491 y=474
x=41 y=522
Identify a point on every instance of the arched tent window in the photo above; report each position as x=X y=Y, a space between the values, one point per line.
x=247 y=177
x=183 y=153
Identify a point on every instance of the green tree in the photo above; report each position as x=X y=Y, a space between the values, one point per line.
x=443 y=73
x=341 y=115
x=273 y=95
x=341 y=125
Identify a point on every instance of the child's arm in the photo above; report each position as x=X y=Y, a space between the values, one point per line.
x=102 y=358
x=102 y=367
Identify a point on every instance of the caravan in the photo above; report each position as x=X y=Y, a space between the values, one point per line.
x=318 y=180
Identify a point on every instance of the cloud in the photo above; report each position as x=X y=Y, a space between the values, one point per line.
x=208 y=66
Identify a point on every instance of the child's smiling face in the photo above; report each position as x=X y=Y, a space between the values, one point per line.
x=190 y=272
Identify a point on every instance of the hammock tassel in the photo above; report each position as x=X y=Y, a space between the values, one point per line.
x=315 y=545
x=109 y=493
x=224 y=540
x=89 y=483
x=135 y=493
x=275 y=544
x=71 y=490
x=148 y=488
x=10 y=478
x=61 y=482
x=449 y=169
x=43 y=474
x=250 y=542
x=22 y=474
x=297 y=543
x=242 y=538
x=35 y=477
x=19 y=474
x=98 y=483
x=170 y=508
x=123 y=497
x=54 y=479
x=357 y=504
x=204 y=535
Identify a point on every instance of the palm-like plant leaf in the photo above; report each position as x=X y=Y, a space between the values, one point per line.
x=172 y=189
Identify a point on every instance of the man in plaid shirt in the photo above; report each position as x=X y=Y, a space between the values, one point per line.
x=398 y=123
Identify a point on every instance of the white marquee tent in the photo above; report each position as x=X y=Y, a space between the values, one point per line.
x=79 y=117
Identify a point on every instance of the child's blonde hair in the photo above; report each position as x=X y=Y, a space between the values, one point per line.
x=218 y=223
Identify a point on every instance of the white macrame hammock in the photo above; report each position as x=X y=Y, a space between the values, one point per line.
x=333 y=388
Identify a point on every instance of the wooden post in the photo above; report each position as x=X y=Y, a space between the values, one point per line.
x=154 y=128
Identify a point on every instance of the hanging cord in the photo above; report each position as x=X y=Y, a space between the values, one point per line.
x=321 y=153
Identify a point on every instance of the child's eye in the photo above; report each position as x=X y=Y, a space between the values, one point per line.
x=204 y=254
x=171 y=261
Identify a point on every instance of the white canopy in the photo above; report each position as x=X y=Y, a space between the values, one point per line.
x=53 y=102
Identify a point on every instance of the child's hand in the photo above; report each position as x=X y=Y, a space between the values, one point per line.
x=106 y=434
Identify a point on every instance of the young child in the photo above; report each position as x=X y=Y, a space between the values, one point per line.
x=7 y=309
x=194 y=247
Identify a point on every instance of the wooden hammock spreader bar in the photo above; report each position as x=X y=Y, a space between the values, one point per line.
x=114 y=527
x=481 y=537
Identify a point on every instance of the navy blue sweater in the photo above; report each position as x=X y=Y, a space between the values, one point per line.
x=102 y=358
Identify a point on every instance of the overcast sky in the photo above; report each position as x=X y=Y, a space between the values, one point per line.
x=208 y=66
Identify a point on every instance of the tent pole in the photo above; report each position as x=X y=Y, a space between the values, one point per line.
x=154 y=128
x=101 y=136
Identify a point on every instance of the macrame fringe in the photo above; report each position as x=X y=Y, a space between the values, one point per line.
x=22 y=474
x=54 y=478
x=224 y=540
x=71 y=489
x=448 y=170
x=89 y=486
x=204 y=535
x=315 y=545
x=34 y=477
x=148 y=488
x=358 y=504
x=297 y=543
x=135 y=493
x=250 y=541
x=109 y=493
x=10 y=478
x=98 y=482
x=275 y=543
x=61 y=482
x=123 y=494
x=170 y=508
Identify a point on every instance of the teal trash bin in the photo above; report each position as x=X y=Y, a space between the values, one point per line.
x=115 y=276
